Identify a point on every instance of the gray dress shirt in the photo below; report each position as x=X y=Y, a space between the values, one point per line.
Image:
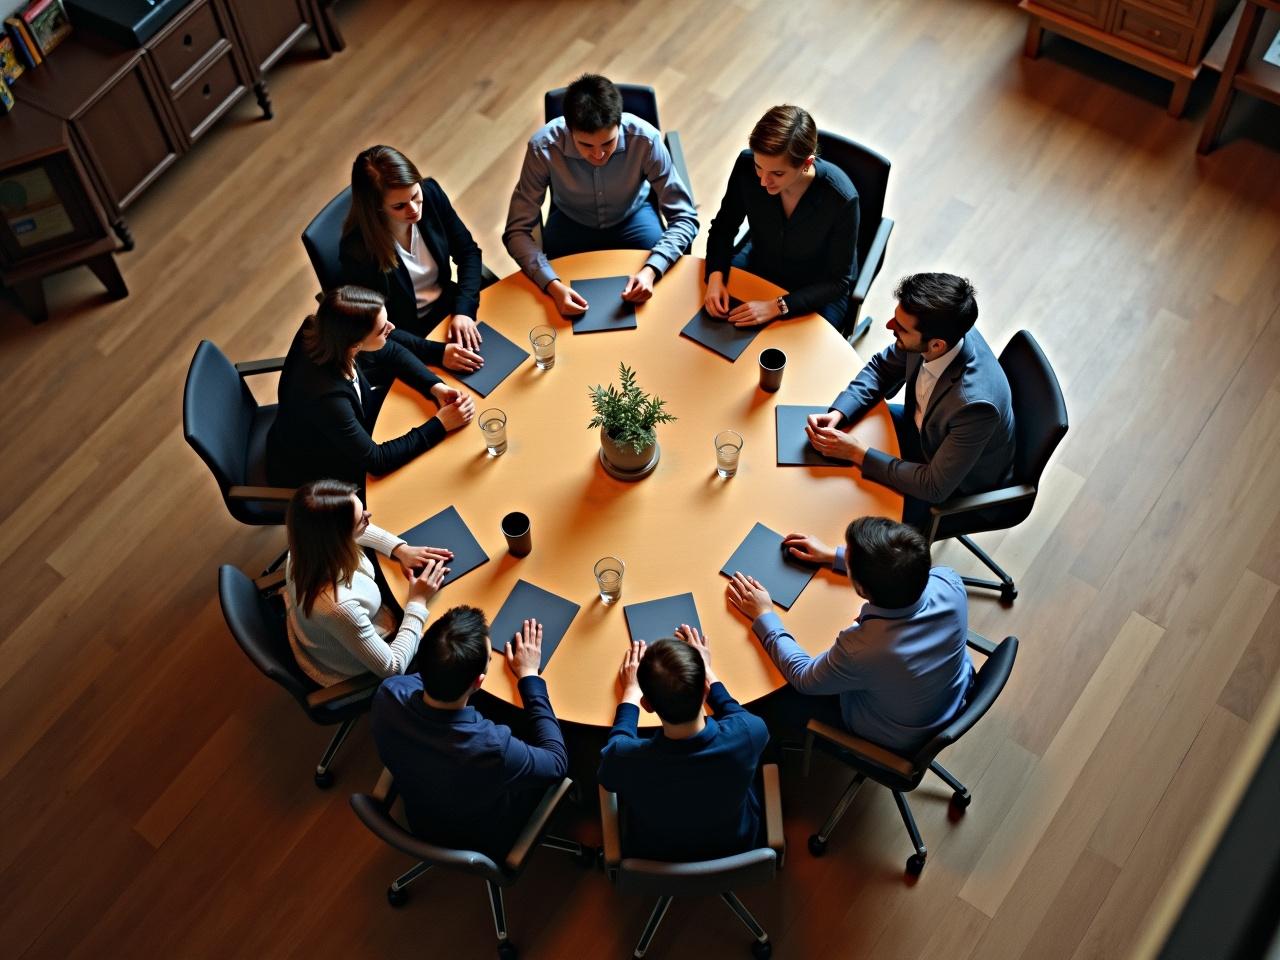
x=598 y=197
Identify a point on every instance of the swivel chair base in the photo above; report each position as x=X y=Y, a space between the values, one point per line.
x=761 y=949
x=1007 y=588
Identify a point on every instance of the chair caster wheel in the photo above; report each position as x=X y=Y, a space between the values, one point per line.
x=324 y=779
x=397 y=898
x=817 y=846
x=961 y=801
x=1008 y=594
x=507 y=950
x=915 y=863
x=762 y=950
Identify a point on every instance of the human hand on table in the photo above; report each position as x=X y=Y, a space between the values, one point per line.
x=569 y=303
x=753 y=313
x=464 y=331
x=809 y=549
x=831 y=442
x=524 y=653
x=460 y=358
x=716 y=299
x=628 y=685
x=693 y=638
x=425 y=585
x=414 y=558
x=748 y=595
x=456 y=406
x=639 y=286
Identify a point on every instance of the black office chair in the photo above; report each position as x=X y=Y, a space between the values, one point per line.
x=640 y=100
x=1039 y=424
x=722 y=876
x=257 y=621
x=323 y=236
x=902 y=774
x=374 y=811
x=224 y=424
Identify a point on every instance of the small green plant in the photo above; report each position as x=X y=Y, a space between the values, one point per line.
x=628 y=415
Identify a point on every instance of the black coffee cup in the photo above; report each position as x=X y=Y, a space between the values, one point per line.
x=772 y=362
x=515 y=527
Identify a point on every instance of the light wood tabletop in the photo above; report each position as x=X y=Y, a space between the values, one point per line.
x=675 y=528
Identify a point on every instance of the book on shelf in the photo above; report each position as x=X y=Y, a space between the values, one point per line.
x=6 y=98
x=47 y=23
x=23 y=42
x=11 y=66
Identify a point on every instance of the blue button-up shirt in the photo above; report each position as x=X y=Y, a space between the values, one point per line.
x=598 y=197
x=902 y=674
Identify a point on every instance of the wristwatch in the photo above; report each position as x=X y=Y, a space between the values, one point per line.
x=782 y=307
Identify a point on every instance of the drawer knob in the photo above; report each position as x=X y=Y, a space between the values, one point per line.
x=187 y=40
x=207 y=89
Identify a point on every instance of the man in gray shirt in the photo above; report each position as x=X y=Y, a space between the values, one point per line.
x=601 y=165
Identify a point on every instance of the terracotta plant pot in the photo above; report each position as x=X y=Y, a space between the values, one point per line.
x=623 y=457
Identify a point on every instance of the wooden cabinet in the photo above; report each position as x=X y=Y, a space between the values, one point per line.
x=270 y=29
x=1164 y=37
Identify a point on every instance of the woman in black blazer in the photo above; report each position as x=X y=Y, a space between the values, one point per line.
x=329 y=402
x=382 y=250
x=803 y=215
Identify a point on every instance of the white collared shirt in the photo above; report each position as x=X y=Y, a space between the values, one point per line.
x=423 y=269
x=930 y=373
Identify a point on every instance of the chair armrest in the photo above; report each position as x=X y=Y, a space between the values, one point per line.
x=382 y=790
x=281 y=494
x=346 y=693
x=609 y=827
x=875 y=259
x=981 y=643
x=980 y=501
x=272 y=582
x=775 y=838
x=249 y=367
x=487 y=277
x=528 y=838
x=863 y=749
x=676 y=149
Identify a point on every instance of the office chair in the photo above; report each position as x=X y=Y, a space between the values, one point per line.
x=902 y=774
x=869 y=172
x=224 y=424
x=257 y=622
x=374 y=811
x=1039 y=424
x=323 y=237
x=721 y=876
x=640 y=100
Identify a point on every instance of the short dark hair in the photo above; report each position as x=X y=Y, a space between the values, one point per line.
x=592 y=103
x=889 y=560
x=453 y=653
x=673 y=679
x=785 y=131
x=942 y=303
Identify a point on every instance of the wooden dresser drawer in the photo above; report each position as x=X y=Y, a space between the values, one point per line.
x=189 y=40
x=209 y=94
x=1092 y=12
x=1179 y=9
x=1148 y=30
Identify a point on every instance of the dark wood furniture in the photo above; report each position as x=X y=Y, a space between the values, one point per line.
x=1164 y=37
x=50 y=219
x=1237 y=55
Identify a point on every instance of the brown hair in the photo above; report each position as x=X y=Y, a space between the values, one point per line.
x=673 y=678
x=374 y=172
x=785 y=131
x=322 y=547
x=346 y=316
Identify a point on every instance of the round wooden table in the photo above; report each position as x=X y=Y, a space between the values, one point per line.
x=675 y=528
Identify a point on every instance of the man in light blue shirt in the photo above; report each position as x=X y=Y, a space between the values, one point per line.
x=601 y=165
x=901 y=672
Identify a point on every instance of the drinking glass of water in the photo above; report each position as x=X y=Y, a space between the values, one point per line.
x=544 y=347
x=493 y=424
x=728 y=447
x=609 y=572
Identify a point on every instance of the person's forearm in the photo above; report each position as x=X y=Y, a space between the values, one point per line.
x=808 y=675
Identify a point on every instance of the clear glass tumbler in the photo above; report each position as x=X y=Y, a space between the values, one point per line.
x=543 y=340
x=493 y=424
x=609 y=572
x=728 y=447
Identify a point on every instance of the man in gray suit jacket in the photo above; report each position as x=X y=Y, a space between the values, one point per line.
x=955 y=425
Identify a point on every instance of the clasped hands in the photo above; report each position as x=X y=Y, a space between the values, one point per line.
x=750 y=313
x=456 y=407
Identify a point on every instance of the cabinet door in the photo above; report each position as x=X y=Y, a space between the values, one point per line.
x=269 y=28
x=1093 y=12
x=125 y=132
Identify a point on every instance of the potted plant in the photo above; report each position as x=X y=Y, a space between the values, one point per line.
x=627 y=419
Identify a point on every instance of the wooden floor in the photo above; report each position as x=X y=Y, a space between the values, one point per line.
x=155 y=791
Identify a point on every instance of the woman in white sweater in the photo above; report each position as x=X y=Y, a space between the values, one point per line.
x=338 y=624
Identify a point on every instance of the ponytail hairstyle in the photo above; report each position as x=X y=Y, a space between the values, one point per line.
x=346 y=316
x=374 y=172
x=322 y=546
x=785 y=131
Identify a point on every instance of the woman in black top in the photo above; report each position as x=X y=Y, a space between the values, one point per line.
x=399 y=238
x=329 y=402
x=803 y=216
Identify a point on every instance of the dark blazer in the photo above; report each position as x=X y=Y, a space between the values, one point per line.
x=692 y=799
x=967 y=432
x=322 y=429
x=466 y=781
x=447 y=238
x=813 y=254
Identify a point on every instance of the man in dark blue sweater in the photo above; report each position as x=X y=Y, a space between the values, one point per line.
x=466 y=781
x=689 y=792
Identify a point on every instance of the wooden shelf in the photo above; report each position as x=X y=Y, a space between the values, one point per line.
x=1256 y=76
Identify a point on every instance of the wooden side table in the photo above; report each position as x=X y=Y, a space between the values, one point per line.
x=1238 y=55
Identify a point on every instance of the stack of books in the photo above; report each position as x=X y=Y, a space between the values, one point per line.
x=31 y=33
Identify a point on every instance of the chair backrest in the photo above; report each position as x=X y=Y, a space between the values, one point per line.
x=987 y=684
x=323 y=237
x=258 y=624
x=636 y=98
x=373 y=813
x=218 y=412
x=1039 y=409
x=869 y=172
x=700 y=878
